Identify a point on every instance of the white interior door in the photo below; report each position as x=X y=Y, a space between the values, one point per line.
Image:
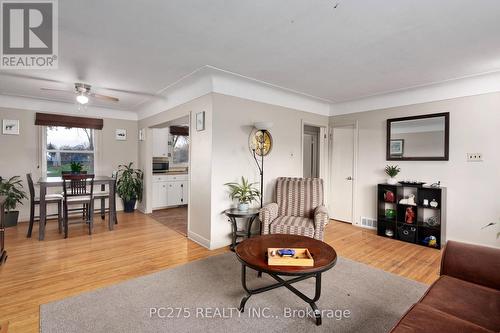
x=342 y=173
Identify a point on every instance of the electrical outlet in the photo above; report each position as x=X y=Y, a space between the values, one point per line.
x=474 y=157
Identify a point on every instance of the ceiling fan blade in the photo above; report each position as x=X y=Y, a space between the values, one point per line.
x=133 y=92
x=104 y=97
x=58 y=90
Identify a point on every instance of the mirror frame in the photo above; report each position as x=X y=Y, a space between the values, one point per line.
x=446 y=116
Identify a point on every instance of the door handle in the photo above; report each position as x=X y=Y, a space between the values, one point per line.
x=349 y=178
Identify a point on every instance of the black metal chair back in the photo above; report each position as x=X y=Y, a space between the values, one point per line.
x=76 y=184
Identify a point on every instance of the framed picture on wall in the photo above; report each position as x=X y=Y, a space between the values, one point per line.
x=121 y=134
x=397 y=147
x=10 y=127
x=200 y=121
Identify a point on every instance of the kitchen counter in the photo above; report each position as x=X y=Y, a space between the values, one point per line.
x=171 y=173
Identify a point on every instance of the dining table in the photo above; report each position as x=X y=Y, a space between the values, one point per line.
x=46 y=182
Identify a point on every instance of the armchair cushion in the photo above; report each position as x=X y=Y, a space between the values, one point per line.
x=293 y=225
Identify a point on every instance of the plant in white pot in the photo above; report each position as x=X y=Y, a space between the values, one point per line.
x=245 y=193
x=12 y=188
x=392 y=171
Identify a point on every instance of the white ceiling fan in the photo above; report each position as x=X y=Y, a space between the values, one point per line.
x=83 y=92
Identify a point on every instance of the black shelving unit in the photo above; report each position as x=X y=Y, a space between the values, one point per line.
x=419 y=230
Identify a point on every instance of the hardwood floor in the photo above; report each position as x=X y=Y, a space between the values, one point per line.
x=41 y=272
x=174 y=218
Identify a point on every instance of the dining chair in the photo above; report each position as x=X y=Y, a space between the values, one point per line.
x=102 y=195
x=49 y=199
x=78 y=190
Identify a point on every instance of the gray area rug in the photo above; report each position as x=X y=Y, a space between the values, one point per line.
x=203 y=296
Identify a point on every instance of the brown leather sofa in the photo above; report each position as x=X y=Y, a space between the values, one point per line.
x=465 y=298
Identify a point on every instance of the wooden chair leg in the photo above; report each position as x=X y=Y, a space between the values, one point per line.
x=65 y=221
x=32 y=219
x=103 y=208
x=59 y=216
x=91 y=221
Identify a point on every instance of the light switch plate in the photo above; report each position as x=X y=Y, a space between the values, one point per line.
x=474 y=157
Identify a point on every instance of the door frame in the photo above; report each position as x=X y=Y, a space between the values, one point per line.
x=323 y=151
x=355 y=125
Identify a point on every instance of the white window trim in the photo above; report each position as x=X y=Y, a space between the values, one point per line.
x=44 y=151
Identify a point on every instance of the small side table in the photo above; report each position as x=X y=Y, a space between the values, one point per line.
x=234 y=214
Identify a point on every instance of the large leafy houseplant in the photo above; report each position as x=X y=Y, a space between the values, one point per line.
x=245 y=193
x=129 y=186
x=12 y=189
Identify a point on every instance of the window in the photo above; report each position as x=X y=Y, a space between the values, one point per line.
x=180 y=149
x=65 y=145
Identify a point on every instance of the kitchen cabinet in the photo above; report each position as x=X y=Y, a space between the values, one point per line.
x=170 y=190
x=160 y=142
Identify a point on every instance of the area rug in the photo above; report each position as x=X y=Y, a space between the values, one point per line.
x=203 y=296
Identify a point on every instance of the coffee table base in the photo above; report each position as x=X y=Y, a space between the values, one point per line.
x=287 y=284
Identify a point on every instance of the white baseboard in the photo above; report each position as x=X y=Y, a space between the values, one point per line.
x=199 y=239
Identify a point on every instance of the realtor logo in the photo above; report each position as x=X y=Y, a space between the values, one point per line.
x=29 y=34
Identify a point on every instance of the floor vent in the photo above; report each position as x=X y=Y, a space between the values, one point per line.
x=367 y=222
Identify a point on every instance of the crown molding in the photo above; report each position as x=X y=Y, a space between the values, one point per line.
x=209 y=79
x=462 y=87
x=47 y=106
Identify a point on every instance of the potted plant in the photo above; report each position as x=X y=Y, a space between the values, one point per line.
x=12 y=189
x=76 y=167
x=392 y=171
x=245 y=193
x=129 y=186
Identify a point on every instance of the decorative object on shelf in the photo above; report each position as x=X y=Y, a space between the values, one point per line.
x=389 y=196
x=434 y=203
x=412 y=183
x=129 y=186
x=392 y=171
x=408 y=201
x=76 y=167
x=432 y=221
x=430 y=241
x=438 y=184
x=409 y=215
x=245 y=193
x=390 y=214
x=260 y=144
x=389 y=233
x=426 y=202
x=12 y=189
x=407 y=233
x=397 y=147
x=121 y=134
x=10 y=127
x=200 y=121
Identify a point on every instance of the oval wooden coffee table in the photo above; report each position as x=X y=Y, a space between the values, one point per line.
x=252 y=253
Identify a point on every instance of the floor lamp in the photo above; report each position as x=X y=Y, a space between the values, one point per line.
x=261 y=147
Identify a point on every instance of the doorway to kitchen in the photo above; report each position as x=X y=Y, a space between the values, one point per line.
x=170 y=174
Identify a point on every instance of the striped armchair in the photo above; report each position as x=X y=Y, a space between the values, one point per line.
x=299 y=209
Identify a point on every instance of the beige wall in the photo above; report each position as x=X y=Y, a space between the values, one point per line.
x=21 y=154
x=200 y=164
x=232 y=124
x=472 y=187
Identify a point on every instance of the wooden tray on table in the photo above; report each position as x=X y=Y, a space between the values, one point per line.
x=302 y=257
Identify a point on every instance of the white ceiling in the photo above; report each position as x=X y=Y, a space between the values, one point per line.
x=362 y=48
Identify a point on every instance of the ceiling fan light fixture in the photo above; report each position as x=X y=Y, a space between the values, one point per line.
x=82 y=98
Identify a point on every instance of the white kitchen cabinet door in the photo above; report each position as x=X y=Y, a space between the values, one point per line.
x=160 y=142
x=160 y=194
x=185 y=192
x=174 y=193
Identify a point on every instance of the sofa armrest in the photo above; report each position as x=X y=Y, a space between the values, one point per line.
x=268 y=214
x=472 y=263
x=320 y=221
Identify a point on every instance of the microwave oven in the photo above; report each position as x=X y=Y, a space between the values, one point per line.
x=160 y=164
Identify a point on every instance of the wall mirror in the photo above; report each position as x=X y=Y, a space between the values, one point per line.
x=418 y=138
